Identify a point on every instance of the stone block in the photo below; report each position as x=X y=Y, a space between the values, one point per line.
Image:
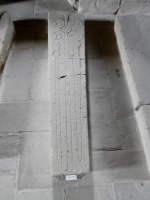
x=104 y=137
x=26 y=116
x=100 y=108
x=57 y=5
x=68 y=106
x=102 y=191
x=40 y=50
x=100 y=7
x=97 y=76
x=115 y=166
x=119 y=165
x=133 y=42
x=7 y=186
x=51 y=194
x=121 y=98
x=39 y=86
x=7 y=195
x=16 y=77
x=133 y=190
x=35 y=165
x=112 y=56
x=9 y=152
x=6 y=35
x=134 y=7
x=129 y=134
x=25 y=10
x=143 y=115
x=7 y=181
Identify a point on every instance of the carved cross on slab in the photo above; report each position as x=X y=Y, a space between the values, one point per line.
x=68 y=101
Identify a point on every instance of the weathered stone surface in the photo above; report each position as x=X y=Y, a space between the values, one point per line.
x=40 y=50
x=68 y=107
x=15 y=82
x=7 y=181
x=104 y=137
x=129 y=134
x=133 y=41
x=134 y=7
x=7 y=195
x=47 y=6
x=94 y=49
x=24 y=79
x=9 y=152
x=35 y=165
x=6 y=35
x=25 y=10
x=39 y=85
x=99 y=7
x=102 y=191
x=74 y=3
x=121 y=99
x=134 y=190
x=113 y=7
x=118 y=165
x=100 y=108
x=97 y=76
x=7 y=186
x=134 y=45
x=16 y=77
x=51 y=194
x=26 y=116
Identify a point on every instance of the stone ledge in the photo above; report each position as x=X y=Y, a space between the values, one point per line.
x=6 y=35
x=134 y=46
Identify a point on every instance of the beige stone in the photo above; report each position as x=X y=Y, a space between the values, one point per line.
x=68 y=106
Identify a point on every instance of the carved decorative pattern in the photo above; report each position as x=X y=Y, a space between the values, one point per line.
x=68 y=107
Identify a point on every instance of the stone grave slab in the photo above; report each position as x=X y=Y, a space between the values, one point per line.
x=68 y=100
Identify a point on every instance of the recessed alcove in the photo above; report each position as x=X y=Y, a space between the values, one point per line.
x=117 y=158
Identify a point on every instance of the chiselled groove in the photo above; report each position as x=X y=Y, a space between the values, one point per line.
x=68 y=106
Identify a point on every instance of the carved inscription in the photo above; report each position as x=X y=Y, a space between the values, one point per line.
x=68 y=104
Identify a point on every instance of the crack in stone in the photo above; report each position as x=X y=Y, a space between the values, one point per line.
x=96 y=4
x=70 y=75
x=74 y=4
x=140 y=105
x=65 y=194
x=62 y=76
x=116 y=12
x=107 y=149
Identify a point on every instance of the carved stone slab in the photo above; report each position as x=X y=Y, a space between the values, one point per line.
x=68 y=103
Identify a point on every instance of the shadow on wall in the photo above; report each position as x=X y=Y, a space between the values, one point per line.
x=115 y=143
x=3 y=2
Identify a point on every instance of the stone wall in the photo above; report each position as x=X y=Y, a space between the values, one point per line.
x=112 y=7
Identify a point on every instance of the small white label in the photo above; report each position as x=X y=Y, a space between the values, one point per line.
x=71 y=177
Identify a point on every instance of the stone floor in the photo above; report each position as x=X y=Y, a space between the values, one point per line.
x=118 y=165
